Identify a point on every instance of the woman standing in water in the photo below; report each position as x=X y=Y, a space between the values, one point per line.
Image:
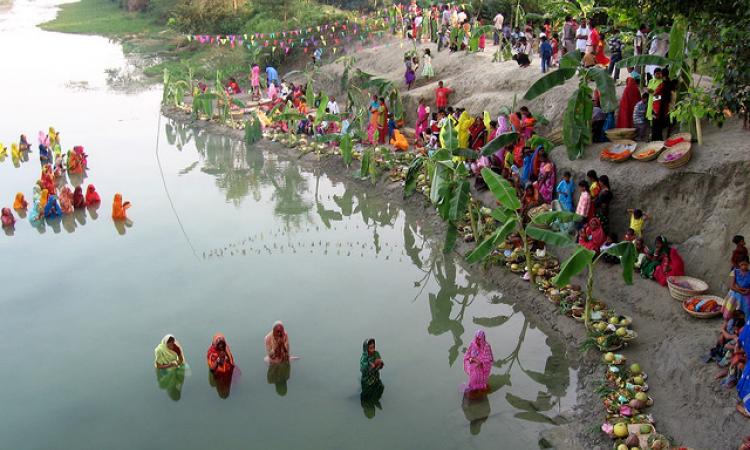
x=478 y=363
x=277 y=345
x=370 y=365
x=220 y=365
x=170 y=366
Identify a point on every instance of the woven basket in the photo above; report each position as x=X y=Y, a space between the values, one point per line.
x=615 y=134
x=627 y=146
x=657 y=146
x=704 y=315
x=556 y=136
x=683 y=148
x=687 y=136
x=697 y=287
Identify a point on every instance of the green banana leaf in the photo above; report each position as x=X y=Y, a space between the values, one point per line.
x=451 y=236
x=643 y=60
x=547 y=82
x=550 y=237
x=503 y=191
x=579 y=260
x=346 y=146
x=571 y=60
x=459 y=201
x=606 y=85
x=412 y=175
x=627 y=253
x=499 y=142
x=547 y=218
x=537 y=140
x=485 y=248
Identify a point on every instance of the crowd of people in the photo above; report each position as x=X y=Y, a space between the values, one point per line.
x=52 y=197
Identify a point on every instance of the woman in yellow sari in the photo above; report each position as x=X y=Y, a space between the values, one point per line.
x=464 y=123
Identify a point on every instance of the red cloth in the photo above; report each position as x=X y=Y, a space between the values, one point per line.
x=598 y=47
x=92 y=197
x=441 y=96
x=630 y=96
x=593 y=235
x=671 y=266
x=212 y=356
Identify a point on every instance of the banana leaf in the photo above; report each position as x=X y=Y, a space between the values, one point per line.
x=449 y=136
x=364 y=169
x=571 y=60
x=440 y=179
x=627 y=253
x=579 y=260
x=606 y=85
x=451 y=235
x=499 y=142
x=445 y=194
x=549 y=237
x=321 y=111
x=547 y=218
x=465 y=153
x=537 y=140
x=459 y=201
x=503 y=191
x=677 y=37
x=502 y=215
x=345 y=145
x=485 y=248
x=410 y=183
x=643 y=60
x=489 y=322
x=547 y=82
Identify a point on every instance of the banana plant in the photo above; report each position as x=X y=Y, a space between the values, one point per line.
x=583 y=258
x=578 y=113
x=510 y=216
x=253 y=131
x=476 y=33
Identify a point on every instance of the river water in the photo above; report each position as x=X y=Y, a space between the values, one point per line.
x=229 y=239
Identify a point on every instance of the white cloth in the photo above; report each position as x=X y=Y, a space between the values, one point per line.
x=333 y=107
x=660 y=47
x=499 y=21
x=581 y=41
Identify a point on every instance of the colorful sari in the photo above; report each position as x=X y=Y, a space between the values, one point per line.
x=478 y=362
x=66 y=200
x=464 y=123
x=738 y=300
x=20 y=202
x=92 y=197
x=565 y=191
x=671 y=266
x=630 y=96
x=119 y=208
x=743 y=384
x=382 y=124
x=43 y=198
x=370 y=374
x=547 y=178
x=78 y=200
x=654 y=259
x=421 y=124
x=213 y=354
x=597 y=47
x=592 y=236
x=163 y=354
x=6 y=217
x=277 y=350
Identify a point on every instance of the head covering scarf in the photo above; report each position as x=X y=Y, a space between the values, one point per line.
x=118 y=208
x=593 y=235
x=52 y=209
x=66 y=200
x=43 y=198
x=370 y=375
x=78 y=200
x=92 y=197
x=478 y=361
x=163 y=354
x=20 y=202
x=212 y=356
x=277 y=350
x=7 y=218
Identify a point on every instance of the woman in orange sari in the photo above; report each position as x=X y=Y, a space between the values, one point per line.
x=220 y=365
x=119 y=208
x=596 y=45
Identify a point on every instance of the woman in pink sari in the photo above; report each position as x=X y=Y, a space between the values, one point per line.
x=277 y=345
x=547 y=178
x=478 y=363
x=421 y=125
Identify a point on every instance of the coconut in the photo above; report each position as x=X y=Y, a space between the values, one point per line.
x=621 y=430
x=637 y=404
x=632 y=440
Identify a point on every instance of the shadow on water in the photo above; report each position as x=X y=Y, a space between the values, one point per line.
x=171 y=380
x=240 y=172
x=278 y=375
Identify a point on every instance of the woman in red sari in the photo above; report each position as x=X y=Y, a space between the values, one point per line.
x=592 y=236
x=671 y=265
x=477 y=133
x=220 y=365
x=630 y=96
x=596 y=45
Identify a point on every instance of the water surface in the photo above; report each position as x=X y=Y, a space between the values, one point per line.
x=228 y=238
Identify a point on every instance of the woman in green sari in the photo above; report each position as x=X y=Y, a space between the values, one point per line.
x=654 y=257
x=170 y=366
x=370 y=365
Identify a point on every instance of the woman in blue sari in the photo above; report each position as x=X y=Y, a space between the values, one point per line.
x=739 y=293
x=743 y=385
x=52 y=208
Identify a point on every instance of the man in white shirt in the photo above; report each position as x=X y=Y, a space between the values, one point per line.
x=582 y=36
x=462 y=16
x=332 y=106
x=498 y=22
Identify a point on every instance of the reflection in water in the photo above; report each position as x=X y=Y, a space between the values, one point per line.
x=122 y=225
x=242 y=172
x=370 y=399
x=171 y=381
x=222 y=382
x=476 y=407
x=279 y=375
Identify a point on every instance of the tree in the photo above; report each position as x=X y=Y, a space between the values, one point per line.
x=577 y=118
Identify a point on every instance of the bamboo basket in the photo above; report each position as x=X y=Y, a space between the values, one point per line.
x=687 y=136
x=616 y=134
x=657 y=146
x=697 y=287
x=683 y=148
x=704 y=315
x=627 y=147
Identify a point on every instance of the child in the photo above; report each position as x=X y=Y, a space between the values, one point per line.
x=391 y=126
x=637 y=219
x=565 y=190
x=640 y=248
x=410 y=76
x=545 y=52
x=427 y=70
x=629 y=235
x=482 y=38
x=609 y=243
x=555 y=49
x=639 y=118
x=740 y=251
x=593 y=180
x=583 y=208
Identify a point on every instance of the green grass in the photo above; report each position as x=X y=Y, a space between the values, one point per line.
x=101 y=17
